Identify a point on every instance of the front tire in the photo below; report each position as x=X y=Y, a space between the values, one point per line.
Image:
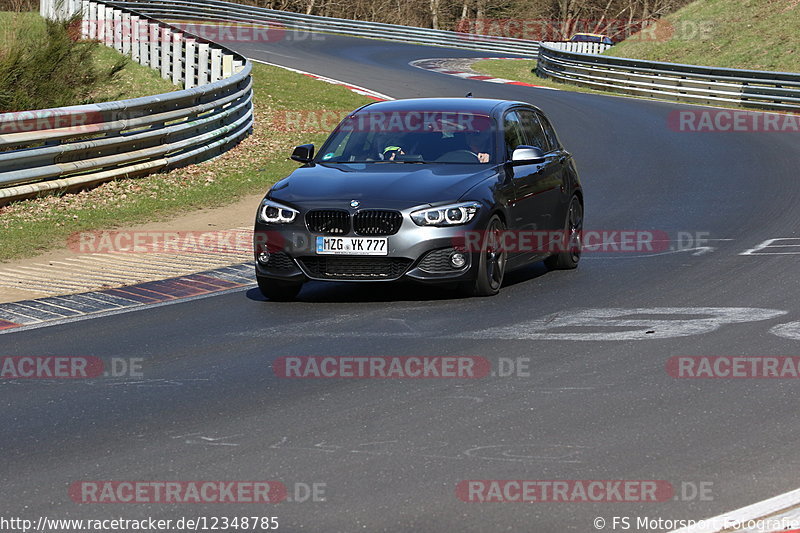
x=492 y=262
x=573 y=233
x=277 y=290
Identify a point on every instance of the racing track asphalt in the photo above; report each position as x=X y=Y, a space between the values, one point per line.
x=391 y=452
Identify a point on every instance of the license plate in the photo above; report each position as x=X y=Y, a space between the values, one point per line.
x=352 y=246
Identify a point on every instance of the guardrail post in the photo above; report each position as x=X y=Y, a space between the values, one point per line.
x=92 y=26
x=189 y=63
x=117 y=15
x=154 y=51
x=227 y=65
x=134 y=43
x=84 y=19
x=126 y=33
x=165 y=41
x=108 y=26
x=144 y=43
x=202 y=63
x=216 y=64
x=177 y=57
x=112 y=26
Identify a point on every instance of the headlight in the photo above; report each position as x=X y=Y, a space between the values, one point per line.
x=447 y=215
x=275 y=213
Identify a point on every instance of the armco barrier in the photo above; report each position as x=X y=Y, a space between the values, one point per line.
x=670 y=81
x=215 y=10
x=73 y=147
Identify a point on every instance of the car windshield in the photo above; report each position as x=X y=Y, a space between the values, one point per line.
x=372 y=136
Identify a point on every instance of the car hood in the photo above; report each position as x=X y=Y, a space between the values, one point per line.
x=379 y=185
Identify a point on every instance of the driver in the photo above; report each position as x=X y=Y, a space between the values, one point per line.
x=478 y=144
x=391 y=152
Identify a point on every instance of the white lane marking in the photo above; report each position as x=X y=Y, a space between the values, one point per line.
x=770 y=243
x=157 y=382
x=790 y=330
x=697 y=251
x=531 y=452
x=353 y=87
x=751 y=512
x=637 y=323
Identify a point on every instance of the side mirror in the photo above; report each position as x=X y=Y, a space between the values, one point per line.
x=524 y=154
x=303 y=153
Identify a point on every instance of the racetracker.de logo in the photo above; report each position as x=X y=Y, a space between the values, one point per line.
x=564 y=491
x=561 y=30
x=445 y=122
x=382 y=367
x=733 y=367
x=731 y=120
x=140 y=31
x=176 y=492
x=175 y=242
x=51 y=367
x=69 y=119
x=551 y=242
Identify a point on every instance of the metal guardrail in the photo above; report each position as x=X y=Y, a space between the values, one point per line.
x=779 y=91
x=581 y=47
x=217 y=10
x=78 y=146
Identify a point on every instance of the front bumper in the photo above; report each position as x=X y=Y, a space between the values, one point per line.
x=415 y=253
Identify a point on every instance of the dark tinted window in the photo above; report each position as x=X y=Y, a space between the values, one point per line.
x=533 y=130
x=549 y=132
x=512 y=128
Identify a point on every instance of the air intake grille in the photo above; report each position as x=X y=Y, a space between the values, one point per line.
x=438 y=261
x=328 y=222
x=280 y=261
x=373 y=222
x=356 y=268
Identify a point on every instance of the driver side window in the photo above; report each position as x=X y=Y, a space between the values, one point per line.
x=512 y=132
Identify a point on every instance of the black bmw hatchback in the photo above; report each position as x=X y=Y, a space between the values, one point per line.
x=435 y=190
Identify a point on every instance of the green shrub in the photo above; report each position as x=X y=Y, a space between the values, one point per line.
x=43 y=65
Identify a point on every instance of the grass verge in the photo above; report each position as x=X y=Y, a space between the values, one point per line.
x=32 y=226
x=743 y=34
x=133 y=81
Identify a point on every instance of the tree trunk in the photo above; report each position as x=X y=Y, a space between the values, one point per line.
x=435 y=14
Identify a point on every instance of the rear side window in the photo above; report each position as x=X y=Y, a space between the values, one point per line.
x=512 y=132
x=533 y=130
x=549 y=132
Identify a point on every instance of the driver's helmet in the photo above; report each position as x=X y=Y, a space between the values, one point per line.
x=391 y=151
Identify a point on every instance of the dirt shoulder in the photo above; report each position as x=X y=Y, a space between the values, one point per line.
x=239 y=214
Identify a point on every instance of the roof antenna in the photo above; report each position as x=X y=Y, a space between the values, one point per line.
x=469 y=95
